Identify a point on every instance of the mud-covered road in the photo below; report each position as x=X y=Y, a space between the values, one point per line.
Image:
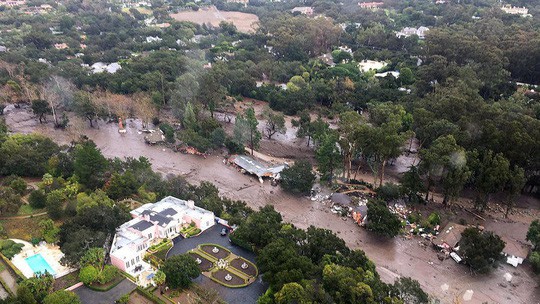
x=395 y=257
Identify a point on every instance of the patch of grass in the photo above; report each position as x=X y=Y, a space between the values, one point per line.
x=162 y=254
x=23 y=229
x=164 y=244
x=66 y=281
x=26 y=209
x=142 y=10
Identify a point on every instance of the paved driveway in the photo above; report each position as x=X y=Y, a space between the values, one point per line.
x=88 y=296
x=244 y=295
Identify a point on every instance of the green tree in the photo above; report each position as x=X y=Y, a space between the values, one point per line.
x=319 y=242
x=211 y=92
x=41 y=108
x=534 y=258
x=180 y=270
x=55 y=204
x=107 y=274
x=159 y=279
x=49 y=231
x=533 y=234
x=87 y=229
x=62 y=297
x=346 y=285
x=93 y=257
x=350 y=125
x=381 y=220
x=291 y=293
x=10 y=201
x=409 y=291
x=89 y=164
x=275 y=123
x=245 y=129
x=442 y=157
x=412 y=184
x=25 y=295
x=121 y=186
x=456 y=176
x=16 y=183
x=491 y=174
x=26 y=155
x=185 y=91
x=260 y=228
x=406 y=76
x=280 y=263
x=386 y=139
x=86 y=107
x=516 y=182
x=328 y=155
x=298 y=178
x=190 y=119
x=480 y=249
x=389 y=192
x=40 y=286
x=88 y=274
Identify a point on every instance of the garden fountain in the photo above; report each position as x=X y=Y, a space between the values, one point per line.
x=221 y=264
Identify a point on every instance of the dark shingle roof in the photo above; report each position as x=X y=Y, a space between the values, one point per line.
x=168 y=211
x=157 y=217
x=142 y=225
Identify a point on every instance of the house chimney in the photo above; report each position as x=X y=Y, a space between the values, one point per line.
x=191 y=204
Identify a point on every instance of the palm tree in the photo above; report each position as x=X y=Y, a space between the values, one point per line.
x=159 y=279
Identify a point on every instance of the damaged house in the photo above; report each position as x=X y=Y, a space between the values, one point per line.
x=448 y=239
x=257 y=167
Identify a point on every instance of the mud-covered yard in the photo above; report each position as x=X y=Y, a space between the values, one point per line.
x=394 y=257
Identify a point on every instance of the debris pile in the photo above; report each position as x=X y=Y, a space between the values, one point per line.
x=188 y=150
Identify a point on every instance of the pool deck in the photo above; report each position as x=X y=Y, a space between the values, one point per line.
x=50 y=253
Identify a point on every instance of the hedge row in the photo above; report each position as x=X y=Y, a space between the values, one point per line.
x=150 y=296
x=108 y=286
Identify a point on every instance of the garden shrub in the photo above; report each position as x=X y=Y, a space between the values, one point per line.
x=10 y=248
x=37 y=199
x=108 y=273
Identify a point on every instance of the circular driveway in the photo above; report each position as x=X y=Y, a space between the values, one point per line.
x=244 y=295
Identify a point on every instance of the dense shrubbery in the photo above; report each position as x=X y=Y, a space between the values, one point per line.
x=10 y=248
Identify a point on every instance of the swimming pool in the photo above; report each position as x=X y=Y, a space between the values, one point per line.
x=38 y=264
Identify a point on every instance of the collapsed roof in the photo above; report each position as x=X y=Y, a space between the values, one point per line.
x=256 y=166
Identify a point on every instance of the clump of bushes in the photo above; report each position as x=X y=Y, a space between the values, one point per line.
x=10 y=248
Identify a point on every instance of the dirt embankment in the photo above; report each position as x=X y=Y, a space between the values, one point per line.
x=395 y=257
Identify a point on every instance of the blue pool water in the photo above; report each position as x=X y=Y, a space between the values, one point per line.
x=38 y=264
